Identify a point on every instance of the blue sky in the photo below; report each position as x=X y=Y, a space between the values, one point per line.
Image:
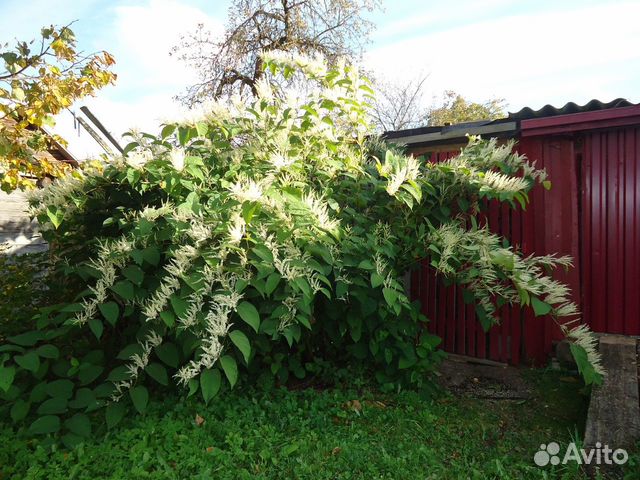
x=530 y=52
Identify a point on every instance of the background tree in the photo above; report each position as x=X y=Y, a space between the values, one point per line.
x=38 y=79
x=456 y=109
x=232 y=64
x=399 y=105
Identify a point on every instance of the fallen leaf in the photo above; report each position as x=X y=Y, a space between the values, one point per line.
x=209 y=449
x=336 y=451
x=199 y=420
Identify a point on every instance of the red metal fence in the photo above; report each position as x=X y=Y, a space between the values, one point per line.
x=592 y=213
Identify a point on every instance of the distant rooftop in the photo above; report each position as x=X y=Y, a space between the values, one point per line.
x=507 y=127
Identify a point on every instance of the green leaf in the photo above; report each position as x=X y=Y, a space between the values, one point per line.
x=539 y=307
x=7 y=374
x=585 y=367
x=272 y=283
x=390 y=295
x=97 y=327
x=202 y=129
x=19 y=410
x=249 y=314
x=193 y=387
x=71 y=440
x=129 y=351
x=29 y=361
x=53 y=406
x=158 y=373
x=48 y=351
x=366 y=265
x=151 y=255
x=134 y=273
x=230 y=368
x=210 y=381
x=140 y=398
x=241 y=341
x=27 y=339
x=88 y=372
x=60 y=388
x=119 y=374
x=79 y=424
x=168 y=318
x=168 y=353
x=44 y=425
x=124 y=289
x=180 y=306
x=376 y=280
x=55 y=216
x=167 y=130
x=110 y=311
x=114 y=413
x=84 y=398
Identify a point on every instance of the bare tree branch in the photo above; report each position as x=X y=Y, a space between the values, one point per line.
x=231 y=64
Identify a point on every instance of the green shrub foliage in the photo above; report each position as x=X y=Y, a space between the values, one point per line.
x=261 y=240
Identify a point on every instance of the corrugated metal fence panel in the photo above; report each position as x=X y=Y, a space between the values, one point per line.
x=611 y=230
x=531 y=231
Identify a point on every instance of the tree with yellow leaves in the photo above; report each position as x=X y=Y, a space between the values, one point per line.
x=39 y=79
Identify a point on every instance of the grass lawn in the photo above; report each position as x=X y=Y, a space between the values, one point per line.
x=340 y=433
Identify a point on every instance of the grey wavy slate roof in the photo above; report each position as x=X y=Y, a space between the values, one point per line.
x=500 y=128
x=550 y=111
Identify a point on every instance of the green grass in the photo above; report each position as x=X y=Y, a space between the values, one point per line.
x=312 y=434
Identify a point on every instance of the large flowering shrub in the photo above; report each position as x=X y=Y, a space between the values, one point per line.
x=267 y=239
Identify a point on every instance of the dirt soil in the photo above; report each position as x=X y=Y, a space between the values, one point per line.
x=483 y=381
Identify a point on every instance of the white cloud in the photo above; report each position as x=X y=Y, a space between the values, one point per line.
x=534 y=59
x=148 y=77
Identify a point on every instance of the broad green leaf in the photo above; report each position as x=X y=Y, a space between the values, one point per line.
x=53 y=406
x=60 y=388
x=376 y=280
x=168 y=353
x=27 y=339
x=7 y=374
x=151 y=255
x=97 y=327
x=168 y=318
x=84 y=398
x=55 y=216
x=140 y=398
x=193 y=387
x=46 y=424
x=230 y=368
x=110 y=311
x=88 y=372
x=249 y=314
x=390 y=295
x=130 y=350
x=79 y=424
x=539 y=307
x=48 y=351
x=272 y=283
x=241 y=341
x=71 y=440
x=19 y=410
x=158 y=373
x=167 y=130
x=210 y=381
x=114 y=413
x=180 y=306
x=29 y=361
x=585 y=367
x=124 y=289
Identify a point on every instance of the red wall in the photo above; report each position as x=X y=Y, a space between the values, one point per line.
x=591 y=213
